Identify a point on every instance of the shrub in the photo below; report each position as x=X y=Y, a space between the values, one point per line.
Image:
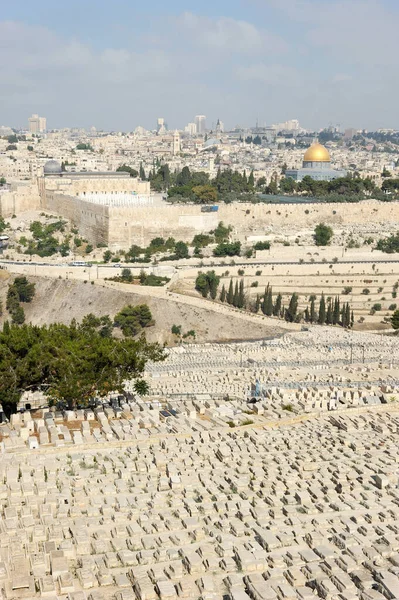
x=366 y=291
x=377 y=307
x=347 y=290
x=176 y=329
x=288 y=407
x=258 y=273
x=322 y=234
x=262 y=246
x=254 y=284
x=392 y=307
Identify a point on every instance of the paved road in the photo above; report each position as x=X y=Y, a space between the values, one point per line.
x=191 y=266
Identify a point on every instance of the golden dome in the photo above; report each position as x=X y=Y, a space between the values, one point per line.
x=317 y=153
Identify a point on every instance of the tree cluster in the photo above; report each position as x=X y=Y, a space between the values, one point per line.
x=44 y=243
x=207 y=284
x=132 y=319
x=19 y=291
x=69 y=363
x=235 y=295
x=390 y=244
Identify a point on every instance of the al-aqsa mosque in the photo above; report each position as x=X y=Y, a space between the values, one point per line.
x=317 y=165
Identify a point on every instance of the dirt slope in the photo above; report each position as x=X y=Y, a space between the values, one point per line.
x=60 y=300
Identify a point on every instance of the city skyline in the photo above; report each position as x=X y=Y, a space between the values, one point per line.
x=118 y=67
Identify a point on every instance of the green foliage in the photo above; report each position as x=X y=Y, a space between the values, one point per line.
x=366 y=292
x=207 y=284
x=262 y=246
x=204 y=194
x=227 y=249
x=347 y=290
x=323 y=234
x=176 y=329
x=222 y=233
x=389 y=244
x=126 y=275
x=377 y=307
x=292 y=310
x=71 y=363
x=18 y=315
x=132 y=319
x=25 y=290
x=127 y=169
x=201 y=240
x=107 y=256
x=89 y=248
x=44 y=243
x=84 y=147
x=395 y=320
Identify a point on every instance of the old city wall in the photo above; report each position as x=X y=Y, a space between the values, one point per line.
x=19 y=200
x=140 y=225
x=92 y=220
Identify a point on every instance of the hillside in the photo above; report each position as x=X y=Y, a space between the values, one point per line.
x=60 y=300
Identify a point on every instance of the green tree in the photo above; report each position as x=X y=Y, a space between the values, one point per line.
x=329 y=315
x=235 y=297
x=181 y=250
x=132 y=172
x=322 y=310
x=241 y=295
x=395 y=320
x=336 y=311
x=230 y=293
x=323 y=234
x=227 y=249
x=107 y=256
x=132 y=319
x=205 y=194
x=142 y=173
x=312 y=313
x=223 y=294
x=269 y=303
x=18 y=315
x=257 y=303
x=25 y=290
x=127 y=275
x=292 y=310
x=277 y=305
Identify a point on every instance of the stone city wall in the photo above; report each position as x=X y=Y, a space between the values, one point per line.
x=91 y=219
x=140 y=225
x=21 y=199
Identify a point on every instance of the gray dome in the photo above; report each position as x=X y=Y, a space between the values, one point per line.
x=52 y=167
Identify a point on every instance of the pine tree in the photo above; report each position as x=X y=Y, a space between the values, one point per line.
x=223 y=294
x=312 y=315
x=277 y=306
x=269 y=303
x=322 y=310
x=291 y=312
x=230 y=293
x=257 y=303
x=235 y=297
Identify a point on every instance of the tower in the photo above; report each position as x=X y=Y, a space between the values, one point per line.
x=200 y=121
x=176 y=143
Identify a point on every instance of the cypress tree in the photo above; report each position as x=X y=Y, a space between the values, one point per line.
x=223 y=294
x=235 y=297
x=264 y=301
x=348 y=315
x=312 y=315
x=307 y=315
x=142 y=172
x=277 y=305
x=230 y=293
x=329 y=316
x=343 y=315
x=322 y=310
x=257 y=303
x=336 y=311
x=291 y=312
x=269 y=306
x=241 y=295
x=352 y=319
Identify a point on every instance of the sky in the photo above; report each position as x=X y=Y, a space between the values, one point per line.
x=116 y=65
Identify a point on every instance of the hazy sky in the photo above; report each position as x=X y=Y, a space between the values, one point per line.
x=117 y=65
